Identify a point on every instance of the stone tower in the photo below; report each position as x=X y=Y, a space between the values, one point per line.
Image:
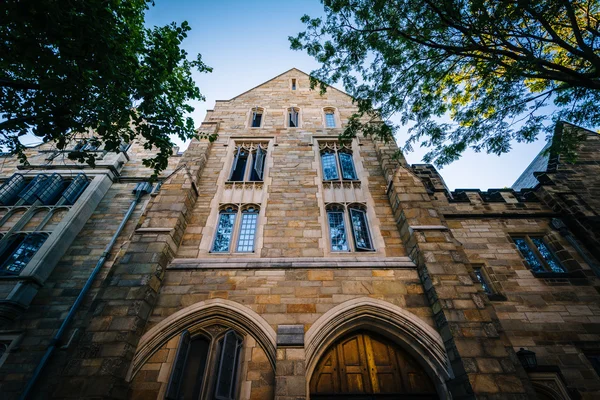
x=280 y=263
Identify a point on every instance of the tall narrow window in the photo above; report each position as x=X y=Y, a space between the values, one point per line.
x=247 y=230
x=224 y=232
x=257 y=116
x=293 y=117
x=19 y=253
x=248 y=163
x=360 y=229
x=483 y=280
x=192 y=375
x=242 y=233
x=329 y=164
x=537 y=255
x=338 y=218
x=330 y=120
x=337 y=229
x=335 y=157
x=293 y=84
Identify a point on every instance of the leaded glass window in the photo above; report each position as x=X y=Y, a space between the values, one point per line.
x=330 y=119
x=224 y=231
x=337 y=231
x=537 y=255
x=329 y=164
x=23 y=252
x=360 y=229
x=481 y=278
x=347 y=165
x=248 y=163
x=205 y=366
x=247 y=230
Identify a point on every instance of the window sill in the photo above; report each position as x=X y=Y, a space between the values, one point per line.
x=497 y=297
x=559 y=275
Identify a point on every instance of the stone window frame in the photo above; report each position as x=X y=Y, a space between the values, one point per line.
x=237 y=225
x=215 y=335
x=252 y=147
x=346 y=208
x=286 y=117
x=294 y=84
x=336 y=117
x=551 y=245
x=335 y=147
x=13 y=340
x=494 y=293
x=258 y=110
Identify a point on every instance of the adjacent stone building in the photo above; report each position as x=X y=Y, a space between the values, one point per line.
x=280 y=263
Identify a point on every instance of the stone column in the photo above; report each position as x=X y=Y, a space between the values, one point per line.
x=484 y=364
x=98 y=365
x=290 y=371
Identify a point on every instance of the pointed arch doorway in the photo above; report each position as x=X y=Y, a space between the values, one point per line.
x=367 y=366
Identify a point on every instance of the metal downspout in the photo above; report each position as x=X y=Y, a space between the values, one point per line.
x=140 y=189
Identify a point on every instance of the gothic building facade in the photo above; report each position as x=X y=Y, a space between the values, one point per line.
x=280 y=263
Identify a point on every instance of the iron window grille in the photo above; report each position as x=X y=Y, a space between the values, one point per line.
x=537 y=254
x=230 y=231
x=354 y=216
x=206 y=366
x=248 y=163
x=336 y=158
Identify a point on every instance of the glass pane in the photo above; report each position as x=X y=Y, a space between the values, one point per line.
x=528 y=255
x=259 y=164
x=481 y=279
x=347 y=164
x=224 y=231
x=330 y=171
x=256 y=120
x=337 y=231
x=193 y=373
x=227 y=368
x=330 y=120
x=247 y=232
x=360 y=229
x=239 y=167
x=23 y=254
x=548 y=256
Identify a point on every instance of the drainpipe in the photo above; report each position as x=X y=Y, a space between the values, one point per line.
x=564 y=231
x=140 y=189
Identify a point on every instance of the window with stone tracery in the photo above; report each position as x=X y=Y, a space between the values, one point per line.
x=349 y=220
x=236 y=224
x=337 y=162
x=249 y=162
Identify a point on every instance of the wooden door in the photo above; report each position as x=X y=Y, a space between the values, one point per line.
x=366 y=366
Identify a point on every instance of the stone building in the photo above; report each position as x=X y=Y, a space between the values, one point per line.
x=280 y=263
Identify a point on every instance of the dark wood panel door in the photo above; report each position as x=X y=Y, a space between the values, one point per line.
x=367 y=366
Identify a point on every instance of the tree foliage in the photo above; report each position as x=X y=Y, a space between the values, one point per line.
x=68 y=68
x=469 y=73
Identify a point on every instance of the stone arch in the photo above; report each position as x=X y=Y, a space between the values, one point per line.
x=403 y=327
x=213 y=311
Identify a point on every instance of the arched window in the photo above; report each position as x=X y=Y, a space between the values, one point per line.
x=336 y=158
x=229 y=230
x=256 y=117
x=330 y=119
x=354 y=215
x=19 y=250
x=248 y=163
x=293 y=117
x=205 y=367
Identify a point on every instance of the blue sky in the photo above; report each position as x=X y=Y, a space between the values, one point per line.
x=246 y=42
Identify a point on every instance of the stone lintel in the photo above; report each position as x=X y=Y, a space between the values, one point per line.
x=290 y=336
